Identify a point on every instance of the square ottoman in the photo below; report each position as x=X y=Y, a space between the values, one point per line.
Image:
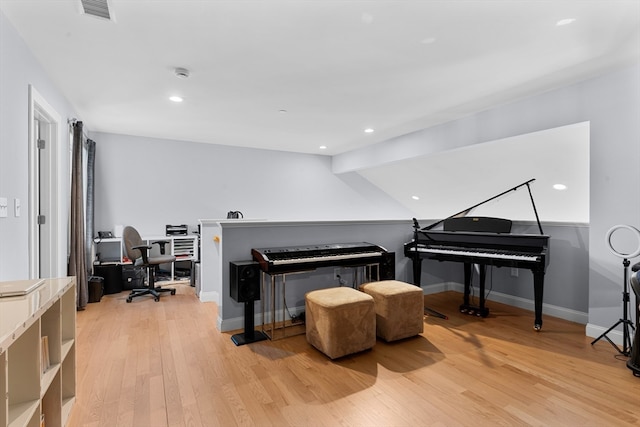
x=399 y=308
x=340 y=321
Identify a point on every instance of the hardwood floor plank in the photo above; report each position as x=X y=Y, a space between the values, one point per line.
x=152 y=364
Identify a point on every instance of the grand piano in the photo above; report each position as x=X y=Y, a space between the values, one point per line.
x=482 y=241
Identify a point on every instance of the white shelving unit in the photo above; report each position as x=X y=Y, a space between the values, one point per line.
x=37 y=347
x=184 y=248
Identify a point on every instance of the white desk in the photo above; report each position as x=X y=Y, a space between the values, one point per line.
x=184 y=248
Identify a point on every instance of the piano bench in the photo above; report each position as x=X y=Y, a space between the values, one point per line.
x=340 y=321
x=399 y=308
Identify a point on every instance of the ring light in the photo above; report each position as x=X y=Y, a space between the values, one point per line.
x=634 y=230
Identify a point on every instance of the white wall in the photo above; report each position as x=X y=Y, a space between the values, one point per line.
x=148 y=183
x=18 y=70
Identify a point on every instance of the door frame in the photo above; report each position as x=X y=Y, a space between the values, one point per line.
x=56 y=252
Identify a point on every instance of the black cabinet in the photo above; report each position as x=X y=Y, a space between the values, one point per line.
x=112 y=275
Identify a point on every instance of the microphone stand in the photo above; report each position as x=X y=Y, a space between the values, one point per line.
x=416 y=270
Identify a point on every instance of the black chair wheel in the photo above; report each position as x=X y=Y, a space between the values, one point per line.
x=129 y=299
x=157 y=299
x=173 y=291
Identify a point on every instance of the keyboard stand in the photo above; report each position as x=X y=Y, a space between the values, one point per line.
x=274 y=328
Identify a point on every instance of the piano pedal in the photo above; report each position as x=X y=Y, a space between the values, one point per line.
x=474 y=311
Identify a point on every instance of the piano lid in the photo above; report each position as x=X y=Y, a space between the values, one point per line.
x=463 y=213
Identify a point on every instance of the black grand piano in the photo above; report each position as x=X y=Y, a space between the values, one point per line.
x=483 y=241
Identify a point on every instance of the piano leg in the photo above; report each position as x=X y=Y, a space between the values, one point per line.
x=538 y=289
x=466 y=307
x=467 y=287
x=484 y=312
x=417 y=272
x=417 y=269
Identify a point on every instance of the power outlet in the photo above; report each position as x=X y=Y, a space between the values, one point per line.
x=514 y=272
x=336 y=274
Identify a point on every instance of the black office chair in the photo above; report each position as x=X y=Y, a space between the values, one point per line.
x=138 y=253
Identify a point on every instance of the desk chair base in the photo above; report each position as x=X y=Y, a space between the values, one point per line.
x=155 y=291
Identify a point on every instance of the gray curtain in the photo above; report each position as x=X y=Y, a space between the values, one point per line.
x=89 y=213
x=78 y=249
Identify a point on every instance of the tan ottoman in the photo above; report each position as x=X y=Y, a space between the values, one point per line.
x=399 y=308
x=340 y=321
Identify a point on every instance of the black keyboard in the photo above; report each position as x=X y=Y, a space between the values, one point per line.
x=303 y=258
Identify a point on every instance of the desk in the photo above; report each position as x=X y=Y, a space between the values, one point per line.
x=184 y=248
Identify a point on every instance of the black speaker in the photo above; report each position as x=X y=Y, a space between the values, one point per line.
x=245 y=281
x=388 y=266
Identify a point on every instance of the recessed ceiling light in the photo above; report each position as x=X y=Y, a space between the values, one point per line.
x=428 y=40
x=565 y=21
x=368 y=130
x=415 y=197
x=175 y=98
x=323 y=147
x=559 y=187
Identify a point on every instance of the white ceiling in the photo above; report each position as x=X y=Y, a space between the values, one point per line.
x=336 y=67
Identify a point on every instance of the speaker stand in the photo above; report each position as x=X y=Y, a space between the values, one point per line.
x=250 y=334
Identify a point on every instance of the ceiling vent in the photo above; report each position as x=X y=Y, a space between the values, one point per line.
x=97 y=8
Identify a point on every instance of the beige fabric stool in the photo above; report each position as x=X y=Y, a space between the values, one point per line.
x=399 y=308
x=340 y=321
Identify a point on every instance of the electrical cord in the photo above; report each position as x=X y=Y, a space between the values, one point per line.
x=299 y=318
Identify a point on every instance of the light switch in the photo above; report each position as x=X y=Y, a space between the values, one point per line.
x=3 y=207
x=16 y=207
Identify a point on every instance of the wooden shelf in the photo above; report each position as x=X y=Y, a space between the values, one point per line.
x=38 y=349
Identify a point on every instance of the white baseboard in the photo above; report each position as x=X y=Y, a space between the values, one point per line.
x=208 y=297
x=595 y=331
x=236 y=323
x=527 y=304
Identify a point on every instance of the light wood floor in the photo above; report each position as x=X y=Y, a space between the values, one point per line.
x=164 y=364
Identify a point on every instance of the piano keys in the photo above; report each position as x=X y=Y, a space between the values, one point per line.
x=303 y=258
x=483 y=241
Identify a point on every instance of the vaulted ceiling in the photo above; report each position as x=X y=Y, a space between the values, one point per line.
x=297 y=75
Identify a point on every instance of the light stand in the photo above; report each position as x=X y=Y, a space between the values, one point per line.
x=624 y=321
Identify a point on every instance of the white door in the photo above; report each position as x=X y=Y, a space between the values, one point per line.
x=46 y=257
x=43 y=190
